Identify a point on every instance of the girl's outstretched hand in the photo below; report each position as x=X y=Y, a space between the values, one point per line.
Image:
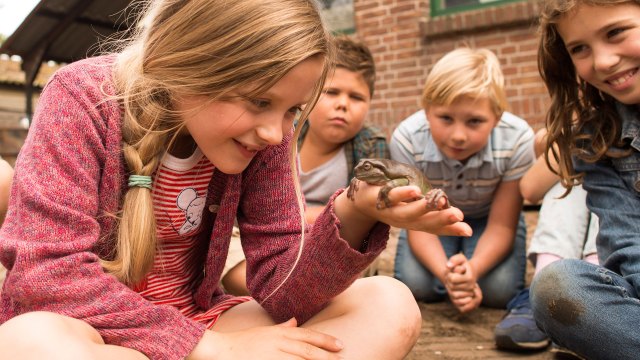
x=283 y=341
x=407 y=213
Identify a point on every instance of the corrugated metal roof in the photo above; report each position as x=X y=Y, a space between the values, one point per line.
x=66 y=30
x=63 y=31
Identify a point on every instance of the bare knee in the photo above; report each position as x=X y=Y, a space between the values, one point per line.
x=388 y=309
x=396 y=303
x=376 y=318
x=38 y=335
x=235 y=281
x=243 y=316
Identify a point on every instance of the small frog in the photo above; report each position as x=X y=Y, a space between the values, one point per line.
x=390 y=174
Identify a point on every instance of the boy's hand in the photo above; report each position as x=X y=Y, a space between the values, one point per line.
x=466 y=302
x=461 y=284
x=460 y=275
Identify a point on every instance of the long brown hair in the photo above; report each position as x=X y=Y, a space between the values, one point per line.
x=581 y=120
x=198 y=48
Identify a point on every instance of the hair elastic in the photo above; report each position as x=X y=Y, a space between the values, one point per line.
x=140 y=181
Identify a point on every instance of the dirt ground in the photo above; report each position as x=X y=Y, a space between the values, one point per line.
x=448 y=335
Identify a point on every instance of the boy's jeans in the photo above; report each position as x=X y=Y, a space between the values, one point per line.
x=498 y=286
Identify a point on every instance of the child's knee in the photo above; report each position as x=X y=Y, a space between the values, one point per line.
x=33 y=322
x=395 y=302
x=40 y=334
x=546 y=286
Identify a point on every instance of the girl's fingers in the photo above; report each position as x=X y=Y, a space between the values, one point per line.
x=302 y=350
x=457 y=229
x=408 y=213
x=415 y=216
x=289 y=323
x=307 y=340
x=405 y=194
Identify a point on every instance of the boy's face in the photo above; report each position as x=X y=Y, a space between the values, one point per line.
x=340 y=112
x=463 y=128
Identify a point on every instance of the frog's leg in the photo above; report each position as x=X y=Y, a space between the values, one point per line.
x=353 y=187
x=383 y=195
x=433 y=197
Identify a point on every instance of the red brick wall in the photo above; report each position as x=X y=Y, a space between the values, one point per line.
x=406 y=42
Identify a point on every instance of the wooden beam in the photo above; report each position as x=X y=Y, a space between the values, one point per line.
x=111 y=25
x=32 y=62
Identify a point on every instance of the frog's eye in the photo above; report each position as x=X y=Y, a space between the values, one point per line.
x=367 y=166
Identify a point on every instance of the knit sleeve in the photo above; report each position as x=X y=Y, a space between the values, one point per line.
x=49 y=240
x=270 y=228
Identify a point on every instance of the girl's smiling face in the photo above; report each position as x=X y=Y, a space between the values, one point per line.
x=604 y=45
x=231 y=132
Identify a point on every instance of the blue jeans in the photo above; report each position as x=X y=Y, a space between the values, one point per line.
x=588 y=309
x=595 y=311
x=498 y=286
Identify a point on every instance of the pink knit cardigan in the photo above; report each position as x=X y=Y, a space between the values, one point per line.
x=70 y=176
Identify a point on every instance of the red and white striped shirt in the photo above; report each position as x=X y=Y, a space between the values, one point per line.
x=179 y=194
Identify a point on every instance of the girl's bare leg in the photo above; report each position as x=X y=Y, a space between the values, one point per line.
x=376 y=318
x=45 y=335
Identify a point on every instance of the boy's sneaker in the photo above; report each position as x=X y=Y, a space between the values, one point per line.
x=518 y=329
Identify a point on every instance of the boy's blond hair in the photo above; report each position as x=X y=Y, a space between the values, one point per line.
x=473 y=73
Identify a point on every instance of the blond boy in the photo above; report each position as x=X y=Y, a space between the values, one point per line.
x=467 y=144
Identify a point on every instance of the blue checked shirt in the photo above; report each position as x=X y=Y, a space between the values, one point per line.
x=470 y=186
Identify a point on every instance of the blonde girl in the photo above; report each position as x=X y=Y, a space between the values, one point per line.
x=589 y=58
x=134 y=170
